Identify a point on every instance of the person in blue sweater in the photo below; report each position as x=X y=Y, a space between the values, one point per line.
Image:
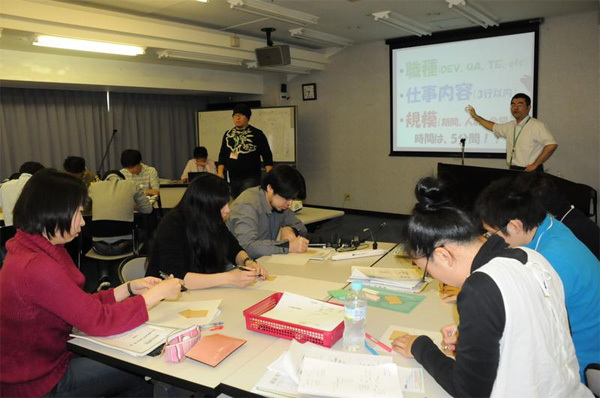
x=518 y=216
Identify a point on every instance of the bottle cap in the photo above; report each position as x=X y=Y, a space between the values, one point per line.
x=357 y=285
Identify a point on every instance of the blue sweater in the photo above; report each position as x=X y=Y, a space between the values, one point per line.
x=579 y=270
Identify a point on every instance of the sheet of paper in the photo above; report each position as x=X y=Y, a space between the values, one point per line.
x=137 y=342
x=412 y=379
x=306 y=287
x=395 y=274
x=169 y=313
x=331 y=379
x=291 y=362
x=304 y=311
x=298 y=258
x=276 y=384
x=436 y=336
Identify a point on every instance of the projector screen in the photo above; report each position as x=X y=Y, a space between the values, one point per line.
x=432 y=84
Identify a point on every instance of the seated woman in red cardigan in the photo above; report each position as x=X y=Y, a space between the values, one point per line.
x=42 y=299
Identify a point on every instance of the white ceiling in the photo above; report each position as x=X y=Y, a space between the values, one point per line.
x=350 y=19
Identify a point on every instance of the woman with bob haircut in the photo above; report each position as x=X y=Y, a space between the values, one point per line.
x=194 y=244
x=513 y=339
x=42 y=299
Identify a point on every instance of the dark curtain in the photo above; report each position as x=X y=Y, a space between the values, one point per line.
x=49 y=125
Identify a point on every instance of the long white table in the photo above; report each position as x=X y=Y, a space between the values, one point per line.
x=310 y=215
x=195 y=376
x=431 y=314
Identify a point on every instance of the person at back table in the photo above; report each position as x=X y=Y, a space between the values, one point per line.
x=261 y=219
x=194 y=244
x=42 y=299
x=133 y=169
x=241 y=151
x=75 y=165
x=508 y=210
x=200 y=163
x=513 y=339
x=528 y=142
x=115 y=198
x=10 y=190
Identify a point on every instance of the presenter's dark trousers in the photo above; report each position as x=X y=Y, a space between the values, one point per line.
x=240 y=185
x=539 y=169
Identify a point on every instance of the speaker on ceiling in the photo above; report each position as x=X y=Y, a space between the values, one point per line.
x=273 y=55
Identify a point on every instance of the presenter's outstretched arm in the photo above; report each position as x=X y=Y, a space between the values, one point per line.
x=545 y=155
x=485 y=123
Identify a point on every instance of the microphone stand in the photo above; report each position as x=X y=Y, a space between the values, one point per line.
x=374 y=235
x=462 y=144
x=106 y=152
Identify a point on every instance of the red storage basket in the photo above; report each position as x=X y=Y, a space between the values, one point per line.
x=258 y=323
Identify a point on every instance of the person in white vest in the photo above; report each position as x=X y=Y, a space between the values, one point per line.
x=513 y=335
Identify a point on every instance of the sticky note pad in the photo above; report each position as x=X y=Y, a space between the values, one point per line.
x=271 y=278
x=372 y=297
x=393 y=299
x=397 y=333
x=367 y=290
x=194 y=313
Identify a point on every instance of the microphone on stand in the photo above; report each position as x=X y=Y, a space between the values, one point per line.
x=374 y=235
x=106 y=152
x=462 y=144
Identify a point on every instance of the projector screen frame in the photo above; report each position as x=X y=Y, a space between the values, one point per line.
x=505 y=29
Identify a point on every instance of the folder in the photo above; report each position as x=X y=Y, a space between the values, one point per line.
x=213 y=349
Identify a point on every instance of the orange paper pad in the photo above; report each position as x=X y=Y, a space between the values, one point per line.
x=214 y=348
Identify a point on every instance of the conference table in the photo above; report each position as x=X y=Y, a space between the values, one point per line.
x=237 y=374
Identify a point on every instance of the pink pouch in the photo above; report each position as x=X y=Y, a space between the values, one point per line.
x=181 y=342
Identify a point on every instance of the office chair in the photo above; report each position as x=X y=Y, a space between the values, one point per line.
x=592 y=378
x=122 y=231
x=132 y=268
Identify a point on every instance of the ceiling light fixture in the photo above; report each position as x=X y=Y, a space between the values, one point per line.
x=197 y=57
x=472 y=14
x=87 y=45
x=285 y=69
x=320 y=37
x=401 y=22
x=270 y=10
x=202 y=1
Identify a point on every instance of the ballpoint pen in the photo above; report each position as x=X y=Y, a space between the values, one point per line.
x=165 y=276
x=371 y=350
x=242 y=268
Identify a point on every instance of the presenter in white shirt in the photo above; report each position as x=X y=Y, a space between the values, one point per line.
x=528 y=142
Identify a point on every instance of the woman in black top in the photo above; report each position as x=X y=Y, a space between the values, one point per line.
x=194 y=244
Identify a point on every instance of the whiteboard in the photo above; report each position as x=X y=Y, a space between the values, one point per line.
x=278 y=124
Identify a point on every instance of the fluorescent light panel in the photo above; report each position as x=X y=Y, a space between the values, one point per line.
x=284 y=69
x=320 y=37
x=471 y=13
x=401 y=22
x=87 y=45
x=273 y=11
x=204 y=58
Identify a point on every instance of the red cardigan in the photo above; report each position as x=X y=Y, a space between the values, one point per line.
x=41 y=299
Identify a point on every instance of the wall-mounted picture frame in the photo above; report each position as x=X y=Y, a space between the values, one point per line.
x=309 y=91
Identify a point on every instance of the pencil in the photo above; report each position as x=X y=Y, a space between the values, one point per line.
x=371 y=350
x=379 y=343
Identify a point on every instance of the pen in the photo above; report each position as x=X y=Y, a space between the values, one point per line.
x=371 y=350
x=379 y=343
x=242 y=268
x=165 y=276
x=212 y=325
x=446 y=347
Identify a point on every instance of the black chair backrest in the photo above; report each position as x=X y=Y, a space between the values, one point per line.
x=110 y=228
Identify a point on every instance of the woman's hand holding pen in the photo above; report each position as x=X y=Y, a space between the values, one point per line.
x=168 y=289
x=139 y=286
x=242 y=277
x=260 y=271
x=449 y=338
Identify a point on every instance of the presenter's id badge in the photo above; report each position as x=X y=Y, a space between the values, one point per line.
x=233 y=155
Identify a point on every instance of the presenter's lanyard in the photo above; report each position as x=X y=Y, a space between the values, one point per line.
x=515 y=138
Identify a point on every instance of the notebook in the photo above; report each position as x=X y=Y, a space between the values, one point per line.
x=213 y=349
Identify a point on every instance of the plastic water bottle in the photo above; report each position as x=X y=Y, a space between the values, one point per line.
x=355 y=318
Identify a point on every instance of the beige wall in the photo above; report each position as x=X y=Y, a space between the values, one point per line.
x=344 y=136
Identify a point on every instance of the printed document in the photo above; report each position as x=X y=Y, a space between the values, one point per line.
x=304 y=311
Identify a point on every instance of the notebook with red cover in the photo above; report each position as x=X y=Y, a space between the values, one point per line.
x=213 y=349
